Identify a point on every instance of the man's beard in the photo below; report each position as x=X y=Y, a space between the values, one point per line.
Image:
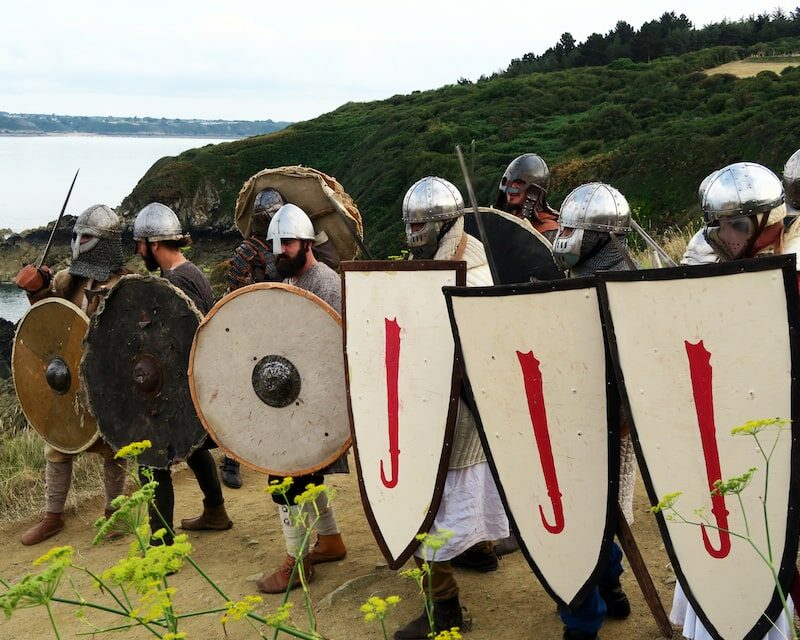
x=290 y=267
x=149 y=259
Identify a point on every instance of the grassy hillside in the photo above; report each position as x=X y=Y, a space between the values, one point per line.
x=653 y=130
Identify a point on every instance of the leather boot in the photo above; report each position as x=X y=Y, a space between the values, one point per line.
x=617 y=605
x=215 y=518
x=278 y=582
x=46 y=528
x=231 y=476
x=446 y=615
x=327 y=549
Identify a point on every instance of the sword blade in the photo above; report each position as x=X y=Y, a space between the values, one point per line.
x=55 y=226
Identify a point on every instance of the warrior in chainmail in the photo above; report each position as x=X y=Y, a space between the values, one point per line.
x=433 y=210
x=593 y=222
x=96 y=266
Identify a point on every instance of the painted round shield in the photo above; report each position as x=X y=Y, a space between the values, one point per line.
x=520 y=252
x=134 y=369
x=267 y=378
x=45 y=360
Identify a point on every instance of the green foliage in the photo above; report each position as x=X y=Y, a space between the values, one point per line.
x=653 y=130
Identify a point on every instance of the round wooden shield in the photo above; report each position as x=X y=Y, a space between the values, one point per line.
x=45 y=360
x=267 y=379
x=520 y=252
x=135 y=369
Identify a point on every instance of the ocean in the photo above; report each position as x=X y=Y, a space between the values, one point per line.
x=13 y=302
x=36 y=171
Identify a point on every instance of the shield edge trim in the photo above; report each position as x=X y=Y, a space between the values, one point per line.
x=198 y=409
x=786 y=264
x=80 y=393
x=612 y=421
x=128 y=277
x=460 y=267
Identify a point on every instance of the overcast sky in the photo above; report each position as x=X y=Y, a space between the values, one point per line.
x=252 y=60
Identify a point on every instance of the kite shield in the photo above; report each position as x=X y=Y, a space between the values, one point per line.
x=134 y=369
x=701 y=351
x=547 y=415
x=402 y=392
x=45 y=362
x=268 y=380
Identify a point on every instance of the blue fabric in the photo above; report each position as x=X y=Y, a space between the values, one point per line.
x=588 y=616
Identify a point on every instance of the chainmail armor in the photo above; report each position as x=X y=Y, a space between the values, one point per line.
x=604 y=258
x=100 y=261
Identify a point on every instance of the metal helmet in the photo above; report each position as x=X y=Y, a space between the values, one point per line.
x=741 y=189
x=98 y=221
x=267 y=202
x=791 y=183
x=591 y=207
x=431 y=201
x=701 y=190
x=157 y=222
x=529 y=168
x=290 y=222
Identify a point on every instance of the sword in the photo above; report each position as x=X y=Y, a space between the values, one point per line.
x=55 y=226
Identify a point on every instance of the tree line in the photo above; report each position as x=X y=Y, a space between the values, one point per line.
x=669 y=35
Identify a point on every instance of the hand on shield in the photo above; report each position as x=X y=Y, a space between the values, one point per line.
x=32 y=278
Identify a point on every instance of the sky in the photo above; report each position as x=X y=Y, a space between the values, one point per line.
x=250 y=60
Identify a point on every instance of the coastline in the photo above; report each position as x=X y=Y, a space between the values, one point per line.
x=78 y=134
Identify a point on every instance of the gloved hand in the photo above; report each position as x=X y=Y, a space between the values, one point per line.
x=32 y=278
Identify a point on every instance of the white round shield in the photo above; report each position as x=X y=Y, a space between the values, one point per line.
x=267 y=379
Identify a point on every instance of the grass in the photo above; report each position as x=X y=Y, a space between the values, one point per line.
x=753 y=66
x=22 y=476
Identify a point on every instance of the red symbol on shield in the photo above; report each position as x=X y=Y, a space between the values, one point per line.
x=393 y=400
x=701 y=372
x=532 y=376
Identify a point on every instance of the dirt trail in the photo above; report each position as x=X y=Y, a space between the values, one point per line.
x=508 y=603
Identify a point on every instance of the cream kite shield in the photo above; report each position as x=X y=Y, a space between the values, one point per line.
x=402 y=390
x=548 y=418
x=702 y=350
x=267 y=379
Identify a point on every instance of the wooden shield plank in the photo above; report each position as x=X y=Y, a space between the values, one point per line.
x=402 y=391
x=50 y=334
x=702 y=350
x=548 y=420
x=134 y=369
x=267 y=379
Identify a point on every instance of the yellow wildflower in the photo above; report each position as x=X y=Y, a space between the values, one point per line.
x=237 y=610
x=666 y=503
x=448 y=634
x=282 y=615
x=311 y=493
x=435 y=541
x=752 y=427
x=133 y=450
x=376 y=608
x=175 y=636
x=279 y=487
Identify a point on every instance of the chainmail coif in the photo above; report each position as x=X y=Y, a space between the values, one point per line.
x=100 y=261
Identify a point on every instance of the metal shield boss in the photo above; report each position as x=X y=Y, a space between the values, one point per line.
x=547 y=417
x=267 y=379
x=134 y=369
x=701 y=351
x=402 y=393
x=520 y=252
x=45 y=361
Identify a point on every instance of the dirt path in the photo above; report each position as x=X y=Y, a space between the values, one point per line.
x=509 y=603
